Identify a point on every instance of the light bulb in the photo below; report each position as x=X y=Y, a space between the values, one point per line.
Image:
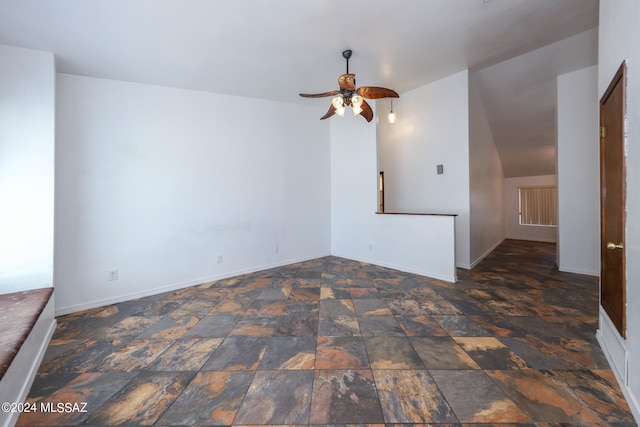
x=391 y=118
x=356 y=104
x=338 y=104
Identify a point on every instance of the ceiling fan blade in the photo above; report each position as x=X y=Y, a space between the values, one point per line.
x=331 y=112
x=366 y=112
x=320 y=95
x=347 y=81
x=375 y=92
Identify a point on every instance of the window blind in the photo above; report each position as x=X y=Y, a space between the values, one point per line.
x=538 y=205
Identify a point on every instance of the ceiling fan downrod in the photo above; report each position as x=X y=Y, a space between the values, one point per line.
x=346 y=93
x=346 y=55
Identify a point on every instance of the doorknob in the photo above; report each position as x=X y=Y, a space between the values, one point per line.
x=614 y=246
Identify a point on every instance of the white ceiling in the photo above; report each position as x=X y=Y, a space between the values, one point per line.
x=519 y=96
x=274 y=49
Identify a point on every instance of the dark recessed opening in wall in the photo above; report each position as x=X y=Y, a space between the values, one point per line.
x=381 y=192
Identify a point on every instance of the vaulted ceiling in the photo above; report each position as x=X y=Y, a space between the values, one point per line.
x=277 y=48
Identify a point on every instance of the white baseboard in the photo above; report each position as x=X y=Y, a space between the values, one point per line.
x=60 y=311
x=532 y=239
x=579 y=271
x=485 y=254
x=17 y=381
x=429 y=274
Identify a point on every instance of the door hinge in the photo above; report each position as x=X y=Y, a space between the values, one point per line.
x=603 y=132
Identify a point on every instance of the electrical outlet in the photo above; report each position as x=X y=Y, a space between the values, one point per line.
x=276 y=249
x=219 y=259
x=112 y=275
x=370 y=247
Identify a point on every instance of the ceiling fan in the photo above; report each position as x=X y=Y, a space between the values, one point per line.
x=348 y=95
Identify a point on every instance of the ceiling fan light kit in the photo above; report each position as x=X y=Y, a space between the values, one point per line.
x=338 y=104
x=350 y=96
x=391 y=118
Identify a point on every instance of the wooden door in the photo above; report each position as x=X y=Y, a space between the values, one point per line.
x=612 y=196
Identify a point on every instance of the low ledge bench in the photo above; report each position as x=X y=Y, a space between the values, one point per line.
x=27 y=322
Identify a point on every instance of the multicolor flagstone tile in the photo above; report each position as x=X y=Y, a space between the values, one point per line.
x=486 y=403
x=333 y=292
x=341 y=353
x=421 y=326
x=265 y=307
x=596 y=390
x=277 y=397
x=211 y=398
x=289 y=353
x=297 y=325
x=540 y=398
x=143 y=400
x=461 y=326
x=345 y=397
x=237 y=354
x=170 y=327
x=338 y=326
x=411 y=396
x=442 y=353
x=188 y=354
x=371 y=307
x=332 y=341
x=336 y=307
x=490 y=353
x=212 y=327
x=380 y=326
x=133 y=356
x=392 y=353
x=262 y=326
x=89 y=391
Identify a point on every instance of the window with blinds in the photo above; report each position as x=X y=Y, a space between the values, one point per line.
x=538 y=205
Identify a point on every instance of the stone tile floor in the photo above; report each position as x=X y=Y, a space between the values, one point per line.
x=334 y=341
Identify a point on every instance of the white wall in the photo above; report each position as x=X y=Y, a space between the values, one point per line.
x=353 y=185
x=486 y=182
x=27 y=99
x=578 y=153
x=418 y=244
x=512 y=208
x=619 y=39
x=432 y=128
x=157 y=182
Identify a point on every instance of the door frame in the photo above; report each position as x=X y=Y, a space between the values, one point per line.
x=619 y=78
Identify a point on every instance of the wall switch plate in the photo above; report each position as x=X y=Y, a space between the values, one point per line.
x=440 y=169
x=276 y=249
x=219 y=259
x=112 y=275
